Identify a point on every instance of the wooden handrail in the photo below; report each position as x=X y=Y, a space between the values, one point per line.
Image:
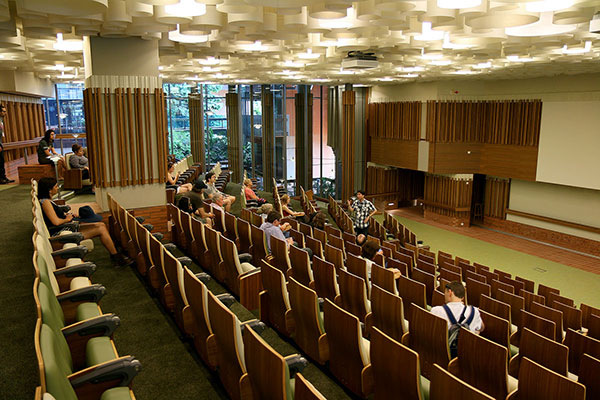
x=444 y=206
x=372 y=196
x=69 y=135
x=554 y=221
x=21 y=144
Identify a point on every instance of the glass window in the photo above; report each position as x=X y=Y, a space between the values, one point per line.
x=178 y=118
x=215 y=128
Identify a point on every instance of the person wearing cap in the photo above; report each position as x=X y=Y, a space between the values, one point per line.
x=91 y=224
x=196 y=197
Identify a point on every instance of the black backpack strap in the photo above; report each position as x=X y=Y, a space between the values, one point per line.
x=450 y=315
x=462 y=315
x=470 y=319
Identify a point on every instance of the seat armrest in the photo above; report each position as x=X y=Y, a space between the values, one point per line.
x=158 y=236
x=92 y=293
x=227 y=299
x=140 y=219
x=73 y=252
x=170 y=247
x=73 y=237
x=254 y=324
x=103 y=325
x=84 y=269
x=203 y=277
x=65 y=207
x=122 y=369
x=248 y=273
x=295 y=363
x=185 y=261
x=149 y=227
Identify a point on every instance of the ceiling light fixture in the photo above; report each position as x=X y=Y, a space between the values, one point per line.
x=309 y=55
x=543 y=27
x=578 y=50
x=427 y=34
x=548 y=5
x=456 y=4
x=67 y=45
x=177 y=36
x=186 y=8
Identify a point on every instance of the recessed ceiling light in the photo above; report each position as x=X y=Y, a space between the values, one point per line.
x=186 y=8
x=456 y=4
x=577 y=50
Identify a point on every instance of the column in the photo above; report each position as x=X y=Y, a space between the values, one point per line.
x=234 y=135
x=196 y=107
x=348 y=103
x=125 y=121
x=304 y=115
x=268 y=137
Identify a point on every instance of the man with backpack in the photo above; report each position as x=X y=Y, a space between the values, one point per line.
x=457 y=314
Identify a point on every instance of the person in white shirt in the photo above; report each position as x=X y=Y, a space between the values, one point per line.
x=454 y=294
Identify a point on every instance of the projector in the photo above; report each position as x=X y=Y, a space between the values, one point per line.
x=360 y=60
x=595 y=24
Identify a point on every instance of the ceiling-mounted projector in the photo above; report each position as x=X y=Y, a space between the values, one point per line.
x=360 y=60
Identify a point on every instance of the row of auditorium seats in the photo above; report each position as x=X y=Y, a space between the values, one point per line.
x=77 y=358
x=247 y=366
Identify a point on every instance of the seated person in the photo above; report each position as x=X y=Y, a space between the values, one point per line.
x=264 y=210
x=272 y=227
x=287 y=211
x=251 y=197
x=454 y=294
x=196 y=198
x=55 y=216
x=319 y=220
x=172 y=180
x=79 y=161
x=47 y=154
x=368 y=252
x=211 y=190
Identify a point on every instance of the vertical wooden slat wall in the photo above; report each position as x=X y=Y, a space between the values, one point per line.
x=24 y=121
x=406 y=184
x=268 y=138
x=399 y=120
x=196 y=105
x=234 y=136
x=508 y=122
x=301 y=167
x=449 y=193
x=497 y=191
x=348 y=130
x=124 y=134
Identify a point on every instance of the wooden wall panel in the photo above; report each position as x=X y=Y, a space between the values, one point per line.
x=455 y=158
x=497 y=192
x=398 y=120
x=196 y=106
x=519 y=162
x=24 y=121
x=125 y=131
x=396 y=153
x=448 y=199
x=348 y=132
x=402 y=184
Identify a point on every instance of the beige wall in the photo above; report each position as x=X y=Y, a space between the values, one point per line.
x=130 y=56
x=581 y=206
x=25 y=83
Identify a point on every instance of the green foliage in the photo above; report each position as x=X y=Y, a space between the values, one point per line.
x=247 y=155
x=216 y=145
x=181 y=144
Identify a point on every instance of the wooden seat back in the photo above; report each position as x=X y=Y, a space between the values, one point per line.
x=572 y=317
x=353 y=294
x=475 y=276
x=593 y=326
x=579 y=345
x=588 y=376
x=530 y=298
x=281 y=258
x=358 y=266
x=156 y=275
x=443 y=382
x=348 y=354
x=387 y=313
x=496 y=329
x=427 y=267
x=214 y=251
x=411 y=291
x=516 y=303
x=325 y=282
x=321 y=236
x=497 y=285
x=552 y=315
x=258 y=249
x=546 y=290
x=481 y=363
x=231 y=264
x=558 y=298
x=546 y=352
x=384 y=278
x=244 y=234
x=495 y=307
x=475 y=290
x=517 y=285
x=300 y=263
x=315 y=246
x=352 y=248
x=586 y=311
x=309 y=334
x=428 y=336
x=528 y=285
x=537 y=324
x=554 y=386
x=219 y=219
x=174 y=274
x=231 y=227
x=396 y=372
x=409 y=261
x=426 y=279
x=399 y=265
x=335 y=256
x=304 y=390
x=275 y=307
x=306 y=229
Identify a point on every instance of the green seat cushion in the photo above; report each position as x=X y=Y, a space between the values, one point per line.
x=99 y=350
x=117 y=393
x=513 y=350
x=424 y=388
x=87 y=311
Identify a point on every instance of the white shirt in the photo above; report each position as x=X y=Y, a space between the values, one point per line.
x=457 y=307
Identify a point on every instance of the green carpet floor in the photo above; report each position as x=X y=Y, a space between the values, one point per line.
x=581 y=286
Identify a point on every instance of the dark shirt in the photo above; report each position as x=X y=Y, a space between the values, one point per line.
x=60 y=213
x=41 y=151
x=195 y=198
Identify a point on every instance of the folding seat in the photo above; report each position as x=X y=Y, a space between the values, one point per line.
x=475 y=276
x=281 y=258
x=528 y=285
x=348 y=350
x=593 y=326
x=271 y=375
x=199 y=249
x=392 y=263
x=242 y=278
x=539 y=383
x=482 y=364
x=443 y=383
x=293 y=223
x=231 y=228
x=231 y=360
x=219 y=219
x=176 y=234
x=552 y=315
x=107 y=380
x=497 y=330
x=497 y=308
x=408 y=260
x=536 y=323
x=352 y=248
x=214 y=251
x=444 y=257
x=325 y=282
x=426 y=267
x=305 y=229
x=395 y=369
x=244 y=234
x=142 y=260
x=579 y=345
x=255 y=219
x=384 y=278
x=353 y=295
x=387 y=314
x=156 y=275
x=300 y=262
x=348 y=237
x=246 y=215
x=298 y=238
x=78 y=303
x=489 y=276
x=321 y=236
x=545 y=291
x=426 y=258
x=586 y=311
x=258 y=249
x=309 y=333
x=187 y=232
x=552 y=297
x=572 y=317
x=358 y=266
x=502 y=274
x=546 y=352
x=331 y=231
x=516 y=303
x=588 y=376
x=335 y=256
x=275 y=309
x=196 y=319
x=411 y=291
x=338 y=243
x=496 y=285
x=379 y=259
x=315 y=246
x=426 y=279
x=428 y=336
x=475 y=290
x=174 y=288
x=438 y=298
x=530 y=298
x=517 y=285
